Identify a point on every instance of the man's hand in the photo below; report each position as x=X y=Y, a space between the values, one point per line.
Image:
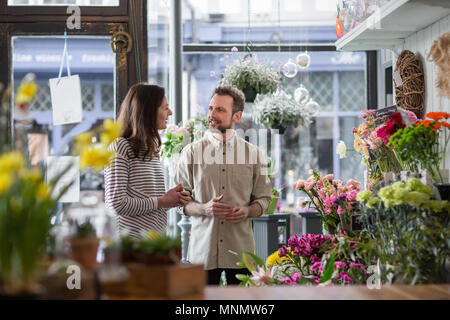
x=238 y=214
x=215 y=209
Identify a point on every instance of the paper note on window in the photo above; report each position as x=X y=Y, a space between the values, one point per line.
x=56 y=165
x=66 y=100
x=38 y=147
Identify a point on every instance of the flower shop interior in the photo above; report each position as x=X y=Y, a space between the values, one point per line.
x=354 y=98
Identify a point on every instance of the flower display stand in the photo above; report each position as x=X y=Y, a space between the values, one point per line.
x=158 y=282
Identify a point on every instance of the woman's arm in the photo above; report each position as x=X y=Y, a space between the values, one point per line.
x=116 y=197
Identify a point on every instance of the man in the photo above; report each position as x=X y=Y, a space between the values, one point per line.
x=225 y=177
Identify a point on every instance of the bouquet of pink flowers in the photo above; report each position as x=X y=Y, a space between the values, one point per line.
x=332 y=199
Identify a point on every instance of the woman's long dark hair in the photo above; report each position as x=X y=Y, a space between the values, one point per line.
x=138 y=115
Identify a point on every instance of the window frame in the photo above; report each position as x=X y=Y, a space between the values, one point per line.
x=13 y=11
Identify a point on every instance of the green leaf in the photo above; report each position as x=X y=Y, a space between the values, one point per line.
x=329 y=268
x=257 y=259
x=248 y=262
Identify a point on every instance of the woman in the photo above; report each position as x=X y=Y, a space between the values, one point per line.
x=134 y=182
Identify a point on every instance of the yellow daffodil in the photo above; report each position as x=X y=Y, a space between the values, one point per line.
x=11 y=162
x=43 y=192
x=152 y=235
x=31 y=175
x=26 y=92
x=95 y=156
x=83 y=140
x=5 y=182
x=111 y=131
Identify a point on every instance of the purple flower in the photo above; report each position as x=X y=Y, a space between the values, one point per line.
x=315 y=266
x=282 y=251
x=345 y=277
x=356 y=265
x=314 y=258
x=339 y=264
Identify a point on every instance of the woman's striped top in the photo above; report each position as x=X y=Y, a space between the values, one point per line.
x=132 y=186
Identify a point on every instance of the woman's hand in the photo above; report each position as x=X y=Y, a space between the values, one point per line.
x=175 y=197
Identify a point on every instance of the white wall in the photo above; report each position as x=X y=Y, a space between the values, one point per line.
x=419 y=43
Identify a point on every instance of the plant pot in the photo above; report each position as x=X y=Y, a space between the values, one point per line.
x=444 y=190
x=272 y=205
x=250 y=94
x=84 y=251
x=117 y=255
x=154 y=259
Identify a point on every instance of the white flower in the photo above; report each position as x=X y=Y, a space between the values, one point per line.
x=280 y=108
x=341 y=149
x=261 y=276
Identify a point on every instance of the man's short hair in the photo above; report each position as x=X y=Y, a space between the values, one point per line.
x=237 y=95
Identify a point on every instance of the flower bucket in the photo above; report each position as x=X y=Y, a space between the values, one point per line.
x=272 y=205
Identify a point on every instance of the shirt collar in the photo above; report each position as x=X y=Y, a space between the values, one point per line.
x=216 y=138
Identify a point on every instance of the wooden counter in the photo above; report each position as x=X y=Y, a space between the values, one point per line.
x=394 y=292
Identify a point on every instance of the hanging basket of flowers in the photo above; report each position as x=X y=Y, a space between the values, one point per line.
x=251 y=77
x=280 y=110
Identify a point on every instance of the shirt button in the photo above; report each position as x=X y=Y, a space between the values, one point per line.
x=223 y=188
x=223 y=170
x=221 y=222
x=221 y=240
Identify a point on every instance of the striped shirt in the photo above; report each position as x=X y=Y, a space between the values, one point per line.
x=132 y=186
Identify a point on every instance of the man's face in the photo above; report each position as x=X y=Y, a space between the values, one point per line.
x=220 y=113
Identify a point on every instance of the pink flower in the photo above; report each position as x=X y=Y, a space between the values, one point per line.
x=299 y=185
x=352 y=195
x=339 y=210
x=339 y=264
x=353 y=183
x=355 y=265
x=328 y=177
x=262 y=276
x=314 y=258
x=308 y=186
x=345 y=277
x=315 y=266
x=337 y=182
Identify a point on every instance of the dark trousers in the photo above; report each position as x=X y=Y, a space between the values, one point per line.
x=214 y=275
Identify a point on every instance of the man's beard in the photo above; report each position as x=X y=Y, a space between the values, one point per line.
x=223 y=129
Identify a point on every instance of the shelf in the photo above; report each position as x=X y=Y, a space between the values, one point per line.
x=395 y=21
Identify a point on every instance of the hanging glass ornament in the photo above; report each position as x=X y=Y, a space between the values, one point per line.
x=312 y=107
x=303 y=60
x=289 y=69
x=301 y=94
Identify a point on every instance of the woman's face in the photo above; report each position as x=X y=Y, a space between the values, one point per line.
x=163 y=114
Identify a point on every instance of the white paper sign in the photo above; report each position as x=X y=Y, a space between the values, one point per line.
x=66 y=100
x=55 y=165
x=397 y=79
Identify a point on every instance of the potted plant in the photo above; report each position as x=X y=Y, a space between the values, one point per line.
x=280 y=110
x=123 y=250
x=26 y=207
x=84 y=245
x=158 y=248
x=251 y=77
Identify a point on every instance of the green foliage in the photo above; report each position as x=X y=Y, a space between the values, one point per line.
x=419 y=147
x=84 y=230
x=250 y=74
x=160 y=244
x=409 y=231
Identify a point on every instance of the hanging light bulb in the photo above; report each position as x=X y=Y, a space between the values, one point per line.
x=312 y=107
x=301 y=94
x=303 y=60
x=289 y=69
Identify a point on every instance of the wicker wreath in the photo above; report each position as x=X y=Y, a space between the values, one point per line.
x=409 y=95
